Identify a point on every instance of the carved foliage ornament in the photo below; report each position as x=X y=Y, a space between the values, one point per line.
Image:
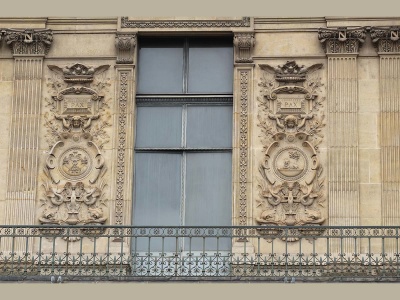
x=386 y=39
x=342 y=39
x=74 y=185
x=126 y=23
x=29 y=41
x=291 y=120
x=244 y=43
x=125 y=44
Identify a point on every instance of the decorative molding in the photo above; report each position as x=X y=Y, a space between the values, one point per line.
x=29 y=41
x=243 y=146
x=244 y=43
x=386 y=40
x=291 y=119
x=126 y=23
x=121 y=146
x=342 y=39
x=125 y=44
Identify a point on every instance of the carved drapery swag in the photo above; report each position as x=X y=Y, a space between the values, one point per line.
x=386 y=40
x=74 y=185
x=291 y=119
x=342 y=39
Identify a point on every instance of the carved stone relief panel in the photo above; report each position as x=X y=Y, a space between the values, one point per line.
x=74 y=185
x=291 y=119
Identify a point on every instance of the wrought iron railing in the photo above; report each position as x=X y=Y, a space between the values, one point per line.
x=305 y=253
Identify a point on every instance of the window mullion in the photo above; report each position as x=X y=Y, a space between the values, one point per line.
x=185 y=66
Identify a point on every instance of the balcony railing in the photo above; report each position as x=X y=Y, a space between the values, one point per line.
x=124 y=253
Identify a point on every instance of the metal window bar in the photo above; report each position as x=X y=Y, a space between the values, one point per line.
x=268 y=253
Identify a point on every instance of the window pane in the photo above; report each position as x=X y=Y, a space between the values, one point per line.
x=210 y=69
x=160 y=67
x=159 y=126
x=209 y=126
x=208 y=195
x=157 y=195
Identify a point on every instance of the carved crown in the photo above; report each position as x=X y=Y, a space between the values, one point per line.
x=291 y=71
x=78 y=73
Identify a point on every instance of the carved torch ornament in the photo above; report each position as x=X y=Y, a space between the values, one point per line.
x=291 y=120
x=74 y=187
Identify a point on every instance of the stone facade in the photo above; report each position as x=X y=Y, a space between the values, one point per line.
x=315 y=133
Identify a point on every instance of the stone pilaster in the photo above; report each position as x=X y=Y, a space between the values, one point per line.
x=125 y=129
x=28 y=48
x=241 y=156
x=341 y=46
x=387 y=43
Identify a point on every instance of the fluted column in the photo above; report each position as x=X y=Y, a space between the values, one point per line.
x=341 y=46
x=387 y=43
x=29 y=48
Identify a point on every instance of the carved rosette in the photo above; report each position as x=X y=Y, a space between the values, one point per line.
x=291 y=120
x=29 y=41
x=342 y=39
x=125 y=44
x=244 y=43
x=74 y=186
x=386 y=40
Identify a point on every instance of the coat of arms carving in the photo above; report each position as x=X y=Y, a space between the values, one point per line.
x=291 y=120
x=74 y=187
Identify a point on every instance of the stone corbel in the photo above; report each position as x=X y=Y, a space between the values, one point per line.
x=342 y=40
x=125 y=44
x=29 y=41
x=244 y=43
x=386 y=40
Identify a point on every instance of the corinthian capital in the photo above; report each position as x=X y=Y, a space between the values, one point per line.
x=342 y=39
x=29 y=41
x=386 y=40
x=125 y=44
x=244 y=43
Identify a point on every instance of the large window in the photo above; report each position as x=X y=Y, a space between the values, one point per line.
x=183 y=163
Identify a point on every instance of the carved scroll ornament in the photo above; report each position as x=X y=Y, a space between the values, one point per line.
x=291 y=120
x=74 y=185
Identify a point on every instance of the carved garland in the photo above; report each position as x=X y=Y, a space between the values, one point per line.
x=126 y=23
x=244 y=80
x=122 y=103
x=291 y=120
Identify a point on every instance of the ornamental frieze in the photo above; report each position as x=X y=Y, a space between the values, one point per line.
x=291 y=120
x=76 y=122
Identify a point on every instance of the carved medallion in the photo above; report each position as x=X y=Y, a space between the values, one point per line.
x=75 y=163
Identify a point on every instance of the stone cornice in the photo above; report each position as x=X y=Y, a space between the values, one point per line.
x=342 y=40
x=386 y=39
x=173 y=23
x=28 y=41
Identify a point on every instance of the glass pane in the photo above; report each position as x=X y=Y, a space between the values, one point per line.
x=208 y=196
x=157 y=195
x=210 y=69
x=160 y=67
x=159 y=126
x=209 y=126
